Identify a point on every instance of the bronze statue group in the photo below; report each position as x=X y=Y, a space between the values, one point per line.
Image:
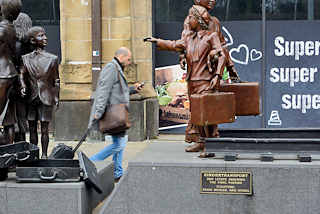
x=202 y=48
x=29 y=78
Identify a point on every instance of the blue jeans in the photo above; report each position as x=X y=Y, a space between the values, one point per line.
x=115 y=149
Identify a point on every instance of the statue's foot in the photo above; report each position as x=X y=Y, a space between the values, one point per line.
x=44 y=156
x=191 y=138
x=207 y=155
x=203 y=155
x=197 y=147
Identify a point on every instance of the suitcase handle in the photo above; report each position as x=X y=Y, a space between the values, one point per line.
x=23 y=159
x=42 y=177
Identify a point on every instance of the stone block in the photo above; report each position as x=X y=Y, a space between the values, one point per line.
x=145 y=70
x=109 y=47
x=137 y=119
x=152 y=118
x=168 y=179
x=72 y=120
x=105 y=28
x=115 y=9
x=75 y=92
x=142 y=50
x=142 y=8
x=70 y=73
x=46 y=198
x=120 y=28
x=3 y=198
x=53 y=198
x=78 y=50
x=78 y=29
x=119 y=8
x=142 y=29
x=75 y=8
x=131 y=73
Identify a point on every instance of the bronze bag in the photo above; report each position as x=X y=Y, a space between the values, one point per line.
x=115 y=119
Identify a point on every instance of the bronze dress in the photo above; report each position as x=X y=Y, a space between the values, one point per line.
x=192 y=132
x=197 y=47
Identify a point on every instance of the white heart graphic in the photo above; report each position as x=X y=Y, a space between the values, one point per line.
x=229 y=38
x=239 y=50
x=255 y=55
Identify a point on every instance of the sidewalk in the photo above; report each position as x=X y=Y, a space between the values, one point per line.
x=131 y=151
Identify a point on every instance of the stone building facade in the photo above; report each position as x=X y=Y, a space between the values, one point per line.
x=123 y=23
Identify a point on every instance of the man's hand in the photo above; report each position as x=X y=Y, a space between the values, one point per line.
x=138 y=86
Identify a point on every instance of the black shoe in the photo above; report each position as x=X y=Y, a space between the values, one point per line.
x=116 y=180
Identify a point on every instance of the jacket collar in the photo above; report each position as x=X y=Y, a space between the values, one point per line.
x=119 y=63
x=116 y=62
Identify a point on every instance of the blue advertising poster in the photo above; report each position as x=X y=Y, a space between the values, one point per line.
x=292 y=74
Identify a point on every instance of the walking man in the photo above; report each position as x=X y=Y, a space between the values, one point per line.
x=112 y=88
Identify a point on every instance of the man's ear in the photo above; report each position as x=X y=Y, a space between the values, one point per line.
x=32 y=41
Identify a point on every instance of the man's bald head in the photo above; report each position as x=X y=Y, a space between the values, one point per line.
x=122 y=51
x=123 y=54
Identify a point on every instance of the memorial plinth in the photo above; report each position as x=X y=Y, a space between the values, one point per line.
x=165 y=179
x=53 y=198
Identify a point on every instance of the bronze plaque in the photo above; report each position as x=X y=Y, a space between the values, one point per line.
x=238 y=183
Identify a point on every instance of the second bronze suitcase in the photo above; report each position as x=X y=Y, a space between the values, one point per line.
x=247 y=97
x=210 y=109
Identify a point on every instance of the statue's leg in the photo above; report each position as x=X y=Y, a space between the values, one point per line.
x=19 y=137
x=33 y=132
x=44 y=139
x=9 y=133
x=20 y=134
x=192 y=133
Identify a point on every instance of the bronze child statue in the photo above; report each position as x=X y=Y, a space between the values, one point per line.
x=40 y=79
x=204 y=56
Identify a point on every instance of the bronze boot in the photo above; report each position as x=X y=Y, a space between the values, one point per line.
x=197 y=147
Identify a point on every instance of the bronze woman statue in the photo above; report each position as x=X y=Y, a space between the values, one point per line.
x=11 y=15
x=8 y=75
x=205 y=59
x=192 y=133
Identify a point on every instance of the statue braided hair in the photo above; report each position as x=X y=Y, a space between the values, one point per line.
x=195 y=12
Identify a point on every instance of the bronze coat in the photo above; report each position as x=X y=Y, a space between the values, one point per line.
x=42 y=75
x=197 y=47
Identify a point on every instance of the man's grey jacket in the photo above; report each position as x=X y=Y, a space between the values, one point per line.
x=109 y=90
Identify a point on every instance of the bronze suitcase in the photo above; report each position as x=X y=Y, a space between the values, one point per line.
x=247 y=97
x=215 y=108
